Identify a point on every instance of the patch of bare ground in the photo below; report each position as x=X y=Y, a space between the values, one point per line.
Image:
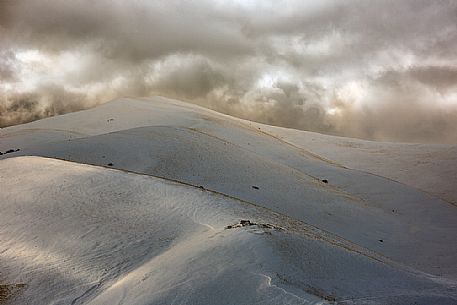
x=8 y=291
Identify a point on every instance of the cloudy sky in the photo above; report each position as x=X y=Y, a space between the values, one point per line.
x=382 y=70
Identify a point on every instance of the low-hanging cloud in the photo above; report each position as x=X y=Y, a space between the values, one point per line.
x=375 y=70
x=41 y=103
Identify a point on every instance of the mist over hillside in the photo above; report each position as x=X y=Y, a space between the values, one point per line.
x=374 y=70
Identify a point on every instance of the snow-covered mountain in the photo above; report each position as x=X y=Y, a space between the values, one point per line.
x=156 y=201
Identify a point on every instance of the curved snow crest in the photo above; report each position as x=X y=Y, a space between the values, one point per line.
x=196 y=271
x=79 y=234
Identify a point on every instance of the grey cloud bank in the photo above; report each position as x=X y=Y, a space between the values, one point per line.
x=381 y=70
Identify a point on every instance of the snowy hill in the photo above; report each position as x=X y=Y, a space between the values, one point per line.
x=136 y=201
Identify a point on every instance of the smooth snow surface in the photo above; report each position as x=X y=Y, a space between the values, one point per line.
x=380 y=231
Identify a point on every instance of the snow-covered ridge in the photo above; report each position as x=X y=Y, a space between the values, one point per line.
x=428 y=167
x=83 y=234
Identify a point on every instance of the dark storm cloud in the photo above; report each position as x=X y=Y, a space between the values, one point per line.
x=441 y=78
x=192 y=79
x=132 y=31
x=278 y=62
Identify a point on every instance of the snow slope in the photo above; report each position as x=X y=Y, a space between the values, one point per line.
x=82 y=234
x=429 y=167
